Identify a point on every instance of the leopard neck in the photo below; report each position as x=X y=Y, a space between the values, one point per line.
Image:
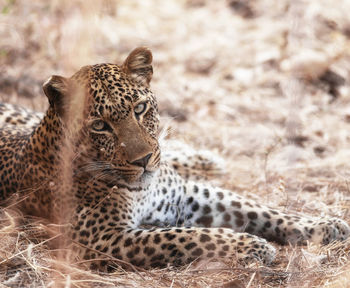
x=40 y=159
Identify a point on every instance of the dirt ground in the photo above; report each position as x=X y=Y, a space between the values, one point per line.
x=264 y=84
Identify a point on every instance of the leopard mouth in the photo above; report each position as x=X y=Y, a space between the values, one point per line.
x=139 y=174
x=129 y=175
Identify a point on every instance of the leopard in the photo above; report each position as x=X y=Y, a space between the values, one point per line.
x=95 y=153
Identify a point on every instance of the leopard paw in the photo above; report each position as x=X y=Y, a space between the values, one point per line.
x=328 y=230
x=258 y=249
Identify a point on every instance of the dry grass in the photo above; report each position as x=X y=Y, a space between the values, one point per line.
x=263 y=83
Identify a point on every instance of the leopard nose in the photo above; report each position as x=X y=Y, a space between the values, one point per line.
x=142 y=162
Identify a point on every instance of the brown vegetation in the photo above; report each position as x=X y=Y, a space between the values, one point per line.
x=265 y=84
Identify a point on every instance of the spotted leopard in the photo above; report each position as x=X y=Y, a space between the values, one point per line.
x=101 y=133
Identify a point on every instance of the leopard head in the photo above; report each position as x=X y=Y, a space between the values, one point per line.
x=116 y=138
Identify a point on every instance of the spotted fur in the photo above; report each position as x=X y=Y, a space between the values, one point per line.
x=104 y=120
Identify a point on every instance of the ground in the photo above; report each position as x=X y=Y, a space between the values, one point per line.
x=264 y=84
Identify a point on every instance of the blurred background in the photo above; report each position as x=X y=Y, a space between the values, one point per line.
x=262 y=83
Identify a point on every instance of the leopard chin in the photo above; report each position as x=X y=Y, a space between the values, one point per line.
x=140 y=178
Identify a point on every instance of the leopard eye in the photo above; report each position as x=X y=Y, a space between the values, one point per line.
x=140 y=108
x=100 y=125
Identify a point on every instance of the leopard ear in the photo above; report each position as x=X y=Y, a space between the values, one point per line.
x=55 y=89
x=139 y=65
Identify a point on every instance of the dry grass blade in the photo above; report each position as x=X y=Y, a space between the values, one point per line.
x=30 y=247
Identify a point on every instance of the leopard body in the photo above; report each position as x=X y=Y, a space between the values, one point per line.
x=95 y=153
